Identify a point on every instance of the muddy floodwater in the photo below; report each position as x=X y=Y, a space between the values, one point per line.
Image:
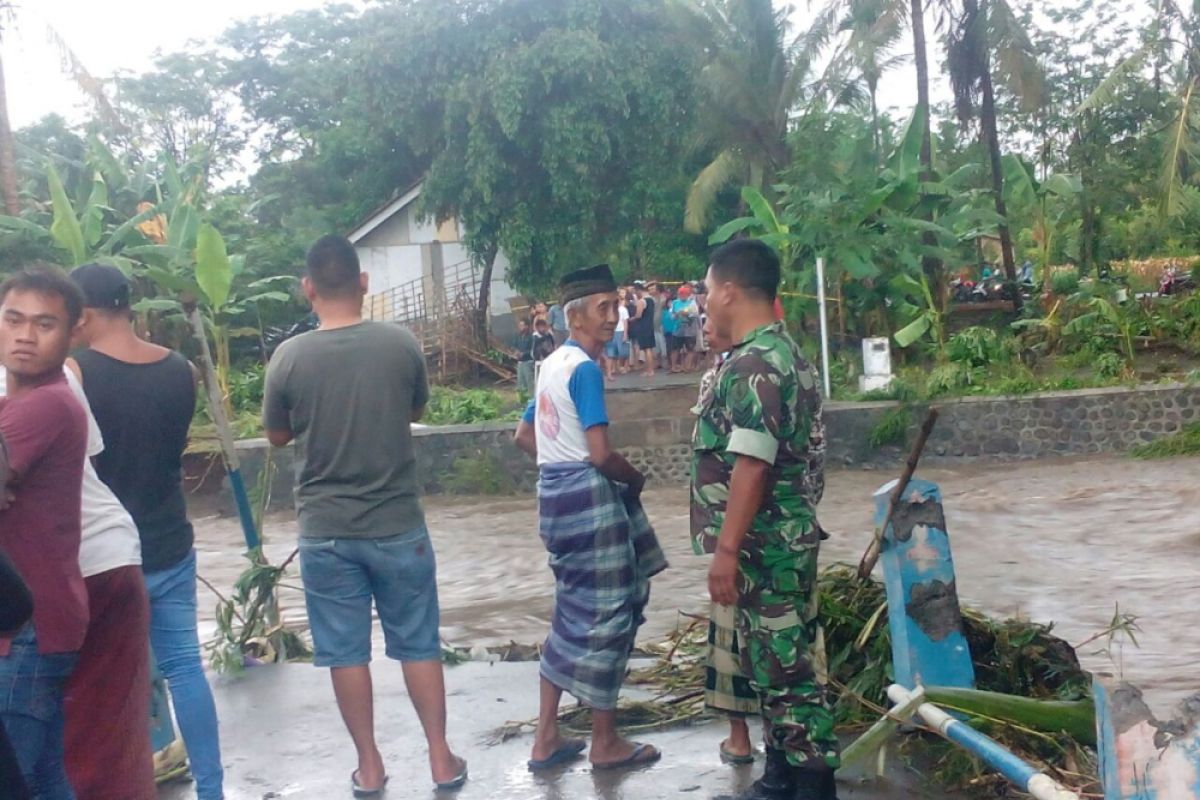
x=1051 y=541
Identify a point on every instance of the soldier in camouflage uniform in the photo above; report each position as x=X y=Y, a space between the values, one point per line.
x=757 y=476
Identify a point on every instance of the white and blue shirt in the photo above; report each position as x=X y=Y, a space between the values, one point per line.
x=568 y=401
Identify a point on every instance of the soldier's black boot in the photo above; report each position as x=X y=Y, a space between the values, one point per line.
x=778 y=781
x=815 y=785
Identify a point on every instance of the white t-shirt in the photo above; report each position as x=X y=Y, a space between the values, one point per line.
x=110 y=537
x=622 y=318
x=569 y=400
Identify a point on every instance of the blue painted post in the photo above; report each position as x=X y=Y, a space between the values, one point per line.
x=928 y=645
x=1142 y=758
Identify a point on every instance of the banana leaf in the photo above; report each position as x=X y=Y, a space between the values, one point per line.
x=1076 y=718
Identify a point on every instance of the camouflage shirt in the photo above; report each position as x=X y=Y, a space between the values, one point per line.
x=764 y=403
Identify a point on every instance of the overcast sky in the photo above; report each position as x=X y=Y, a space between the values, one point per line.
x=124 y=35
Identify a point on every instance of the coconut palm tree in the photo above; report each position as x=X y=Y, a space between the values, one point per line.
x=982 y=35
x=877 y=26
x=73 y=67
x=752 y=82
x=1173 y=33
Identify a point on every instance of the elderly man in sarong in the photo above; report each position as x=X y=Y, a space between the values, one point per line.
x=602 y=549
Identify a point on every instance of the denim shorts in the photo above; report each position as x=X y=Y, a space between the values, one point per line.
x=618 y=346
x=341 y=578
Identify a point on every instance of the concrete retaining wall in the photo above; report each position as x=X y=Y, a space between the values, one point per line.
x=465 y=458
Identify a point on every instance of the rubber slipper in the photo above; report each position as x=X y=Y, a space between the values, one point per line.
x=569 y=751
x=361 y=791
x=642 y=754
x=457 y=782
x=735 y=759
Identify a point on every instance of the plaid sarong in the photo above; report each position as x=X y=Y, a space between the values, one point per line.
x=726 y=686
x=603 y=553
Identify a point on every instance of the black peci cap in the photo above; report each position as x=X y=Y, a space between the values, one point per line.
x=103 y=286
x=585 y=282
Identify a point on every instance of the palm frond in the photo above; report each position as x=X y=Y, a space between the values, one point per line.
x=723 y=171
x=1179 y=146
x=1016 y=59
x=87 y=83
x=1106 y=93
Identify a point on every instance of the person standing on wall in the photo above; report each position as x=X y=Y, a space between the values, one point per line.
x=347 y=394
x=662 y=299
x=558 y=324
x=685 y=316
x=524 y=347
x=45 y=434
x=757 y=476
x=143 y=397
x=641 y=328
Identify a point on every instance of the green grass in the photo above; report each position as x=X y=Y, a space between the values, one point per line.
x=892 y=428
x=1184 y=443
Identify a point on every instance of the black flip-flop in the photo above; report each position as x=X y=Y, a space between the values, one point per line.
x=457 y=782
x=637 y=758
x=735 y=759
x=361 y=791
x=570 y=750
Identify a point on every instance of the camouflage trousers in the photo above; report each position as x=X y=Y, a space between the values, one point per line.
x=783 y=651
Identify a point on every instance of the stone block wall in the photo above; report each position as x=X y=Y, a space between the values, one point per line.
x=1048 y=425
x=450 y=459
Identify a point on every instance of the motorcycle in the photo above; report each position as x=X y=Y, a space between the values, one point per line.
x=962 y=290
x=275 y=336
x=1175 y=281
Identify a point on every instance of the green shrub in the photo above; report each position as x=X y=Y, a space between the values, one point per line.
x=949 y=378
x=978 y=347
x=902 y=390
x=246 y=388
x=1019 y=382
x=892 y=428
x=482 y=474
x=466 y=406
x=1064 y=384
x=1109 y=365
x=1065 y=282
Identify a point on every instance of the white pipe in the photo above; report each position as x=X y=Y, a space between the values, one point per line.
x=1039 y=785
x=824 y=325
x=878 y=733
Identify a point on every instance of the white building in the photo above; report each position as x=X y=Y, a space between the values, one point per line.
x=418 y=268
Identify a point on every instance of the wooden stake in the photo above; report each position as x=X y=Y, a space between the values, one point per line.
x=910 y=466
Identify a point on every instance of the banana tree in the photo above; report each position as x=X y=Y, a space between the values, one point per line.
x=927 y=318
x=1023 y=186
x=84 y=234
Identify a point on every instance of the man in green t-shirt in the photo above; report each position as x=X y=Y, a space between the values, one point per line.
x=348 y=393
x=757 y=476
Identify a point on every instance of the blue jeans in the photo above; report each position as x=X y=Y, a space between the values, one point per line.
x=31 y=707
x=177 y=648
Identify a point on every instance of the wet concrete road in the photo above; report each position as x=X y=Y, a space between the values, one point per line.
x=1052 y=541
x=282 y=738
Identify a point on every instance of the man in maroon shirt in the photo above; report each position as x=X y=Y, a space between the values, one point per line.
x=45 y=430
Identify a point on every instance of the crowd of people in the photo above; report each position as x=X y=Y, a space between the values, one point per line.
x=96 y=549
x=660 y=328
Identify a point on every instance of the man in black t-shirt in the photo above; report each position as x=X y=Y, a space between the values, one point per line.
x=143 y=397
